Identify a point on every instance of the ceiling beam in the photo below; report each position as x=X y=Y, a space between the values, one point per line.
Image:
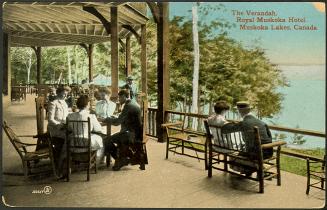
x=96 y=13
x=154 y=10
x=131 y=29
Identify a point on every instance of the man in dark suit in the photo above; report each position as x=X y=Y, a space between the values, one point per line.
x=131 y=130
x=247 y=126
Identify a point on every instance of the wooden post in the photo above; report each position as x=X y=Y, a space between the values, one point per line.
x=163 y=66
x=90 y=55
x=128 y=56
x=114 y=51
x=6 y=65
x=38 y=65
x=143 y=59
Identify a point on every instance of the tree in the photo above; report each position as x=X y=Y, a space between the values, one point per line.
x=228 y=70
x=195 y=81
x=298 y=139
x=23 y=61
x=69 y=66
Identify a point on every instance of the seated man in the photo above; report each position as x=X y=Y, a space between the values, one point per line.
x=105 y=107
x=246 y=125
x=131 y=130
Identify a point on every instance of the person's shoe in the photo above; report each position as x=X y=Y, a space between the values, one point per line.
x=120 y=163
x=248 y=174
x=134 y=161
x=265 y=175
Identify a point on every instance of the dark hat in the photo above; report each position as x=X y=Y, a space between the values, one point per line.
x=243 y=105
x=129 y=78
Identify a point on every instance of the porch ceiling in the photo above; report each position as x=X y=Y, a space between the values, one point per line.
x=66 y=23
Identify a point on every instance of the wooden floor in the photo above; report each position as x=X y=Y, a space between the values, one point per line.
x=176 y=182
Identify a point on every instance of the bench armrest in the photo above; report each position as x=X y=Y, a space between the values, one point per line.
x=273 y=144
x=34 y=136
x=171 y=124
x=315 y=161
x=24 y=143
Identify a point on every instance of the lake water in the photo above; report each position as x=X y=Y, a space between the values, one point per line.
x=304 y=104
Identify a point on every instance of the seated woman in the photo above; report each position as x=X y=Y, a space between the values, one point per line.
x=105 y=107
x=57 y=113
x=218 y=119
x=83 y=113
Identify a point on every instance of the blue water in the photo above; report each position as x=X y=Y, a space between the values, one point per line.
x=304 y=103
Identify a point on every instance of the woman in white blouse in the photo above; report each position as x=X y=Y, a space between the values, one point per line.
x=57 y=113
x=105 y=107
x=82 y=115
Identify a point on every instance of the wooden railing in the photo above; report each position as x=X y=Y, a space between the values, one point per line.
x=152 y=122
x=152 y=132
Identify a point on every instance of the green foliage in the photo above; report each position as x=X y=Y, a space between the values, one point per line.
x=298 y=139
x=227 y=68
x=22 y=59
x=280 y=137
x=298 y=166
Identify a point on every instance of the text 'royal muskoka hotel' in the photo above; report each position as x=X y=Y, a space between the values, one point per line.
x=277 y=23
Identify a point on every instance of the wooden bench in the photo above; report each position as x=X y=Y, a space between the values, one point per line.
x=230 y=150
x=185 y=142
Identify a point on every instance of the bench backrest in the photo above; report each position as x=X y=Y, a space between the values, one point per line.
x=235 y=141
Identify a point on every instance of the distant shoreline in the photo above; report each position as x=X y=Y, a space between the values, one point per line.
x=301 y=64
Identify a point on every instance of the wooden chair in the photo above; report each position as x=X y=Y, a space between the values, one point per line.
x=31 y=160
x=41 y=135
x=139 y=147
x=180 y=138
x=42 y=90
x=230 y=150
x=79 y=146
x=316 y=170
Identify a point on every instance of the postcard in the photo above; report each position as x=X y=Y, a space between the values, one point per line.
x=163 y=104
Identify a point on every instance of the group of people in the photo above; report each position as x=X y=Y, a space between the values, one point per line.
x=246 y=126
x=118 y=145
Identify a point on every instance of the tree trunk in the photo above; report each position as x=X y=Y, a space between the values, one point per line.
x=29 y=65
x=69 y=66
x=210 y=106
x=76 y=70
x=195 y=81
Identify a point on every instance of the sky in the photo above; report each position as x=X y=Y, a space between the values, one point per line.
x=283 y=47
